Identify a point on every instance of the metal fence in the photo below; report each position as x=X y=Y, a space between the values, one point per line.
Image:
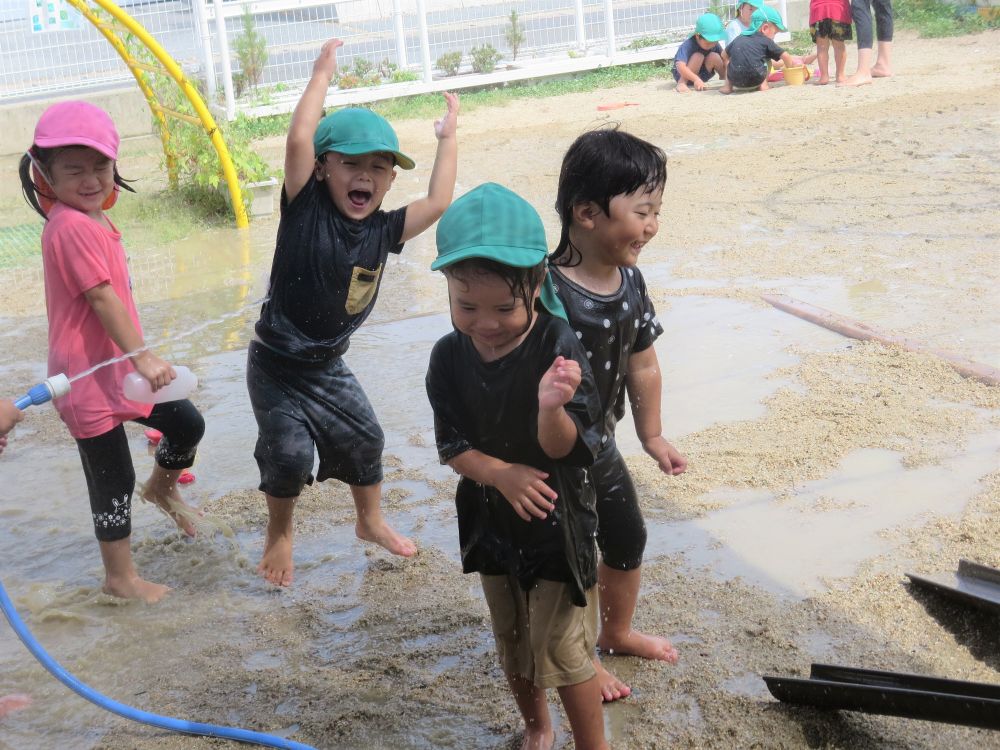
x=391 y=47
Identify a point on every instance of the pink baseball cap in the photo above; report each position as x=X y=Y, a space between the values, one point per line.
x=77 y=123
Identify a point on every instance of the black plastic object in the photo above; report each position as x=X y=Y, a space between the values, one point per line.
x=911 y=696
x=972 y=583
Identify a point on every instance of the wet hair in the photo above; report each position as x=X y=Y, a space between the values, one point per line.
x=45 y=157
x=600 y=165
x=522 y=281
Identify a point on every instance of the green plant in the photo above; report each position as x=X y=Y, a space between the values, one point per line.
x=935 y=18
x=515 y=35
x=449 y=63
x=646 y=41
x=400 y=76
x=485 y=58
x=348 y=81
x=251 y=51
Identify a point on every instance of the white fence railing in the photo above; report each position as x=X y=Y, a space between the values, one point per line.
x=397 y=42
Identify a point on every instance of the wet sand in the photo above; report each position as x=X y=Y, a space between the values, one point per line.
x=821 y=469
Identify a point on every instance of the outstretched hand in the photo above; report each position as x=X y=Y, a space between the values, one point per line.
x=526 y=491
x=559 y=383
x=326 y=62
x=447 y=125
x=671 y=460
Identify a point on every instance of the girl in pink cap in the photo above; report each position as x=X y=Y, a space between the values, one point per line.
x=69 y=176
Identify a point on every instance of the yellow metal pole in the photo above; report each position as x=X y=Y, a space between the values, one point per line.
x=192 y=95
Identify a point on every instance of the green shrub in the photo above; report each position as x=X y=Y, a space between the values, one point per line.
x=485 y=58
x=515 y=35
x=251 y=50
x=449 y=63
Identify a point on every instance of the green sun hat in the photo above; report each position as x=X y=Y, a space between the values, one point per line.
x=767 y=14
x=357 y=130
x=710 y=27
x=758 y=4
x=495 y=223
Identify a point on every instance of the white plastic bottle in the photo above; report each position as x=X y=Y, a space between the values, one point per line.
x=136 y=387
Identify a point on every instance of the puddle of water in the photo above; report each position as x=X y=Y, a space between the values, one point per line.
x=781 y=547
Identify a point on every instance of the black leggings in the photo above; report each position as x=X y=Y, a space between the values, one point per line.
x=621 y=532
x=107 y=463
x=861 y=14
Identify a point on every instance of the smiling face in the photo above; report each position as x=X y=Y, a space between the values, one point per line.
x=631 y=222
x=357 y=184
x=82 y=178
x=484 y=308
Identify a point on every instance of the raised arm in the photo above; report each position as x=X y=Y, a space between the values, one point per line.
x=557 y=432
x=644 y=384
x=300 y=157
x=425 y=211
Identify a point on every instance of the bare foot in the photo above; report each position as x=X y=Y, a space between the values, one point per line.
x=13 y=702
x=611 y=687
x=841 y=79
x=824 y=78
x=878 y=71
x=134 y=587
x=539 y=739
x=682 y=87
x=727 y=88
x=640 y=644
x=858 y=79
x=764 y=86
x=173 y=505
x=276 y=565
x=384 y=535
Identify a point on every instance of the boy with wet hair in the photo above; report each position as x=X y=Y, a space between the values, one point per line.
x=332 y=245
x=747 y=55
x=516 y=414
x=699 y=58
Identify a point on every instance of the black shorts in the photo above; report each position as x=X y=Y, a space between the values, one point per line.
x=830 y=29
x=110 y=474
x=307 y=408
x=621 y=532
x=745 y=78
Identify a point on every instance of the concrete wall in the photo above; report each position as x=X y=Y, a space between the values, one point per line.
x=127 y=108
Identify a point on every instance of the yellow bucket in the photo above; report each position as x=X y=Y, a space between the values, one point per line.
x=796 y=75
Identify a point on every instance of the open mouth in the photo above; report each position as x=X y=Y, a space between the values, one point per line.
x=359 y=198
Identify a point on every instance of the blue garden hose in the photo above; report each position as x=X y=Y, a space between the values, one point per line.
x=53 y=388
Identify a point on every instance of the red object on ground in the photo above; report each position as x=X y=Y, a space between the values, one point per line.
x=615 y=105
x=185 y=478
x=778 y=75
x=153 y=436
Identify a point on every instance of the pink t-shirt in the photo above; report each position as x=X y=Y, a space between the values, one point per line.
x=835 y=10
x=78 y=254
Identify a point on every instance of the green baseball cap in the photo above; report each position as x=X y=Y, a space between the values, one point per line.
x=495 y=223
x=357 y=130
x=753 y=3
x=709 y=27
x=767 y=14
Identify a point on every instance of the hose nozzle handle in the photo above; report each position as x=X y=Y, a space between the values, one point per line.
x=54 y=387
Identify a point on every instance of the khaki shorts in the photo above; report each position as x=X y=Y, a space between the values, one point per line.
x=540 y=635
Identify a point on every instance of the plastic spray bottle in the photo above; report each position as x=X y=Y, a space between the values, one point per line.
x=136 y=387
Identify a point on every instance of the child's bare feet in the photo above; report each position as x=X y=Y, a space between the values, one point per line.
x=823 y=80
x=381 y=533
x=640 y=644
x=858 y=79
x=276 y=565
x=682 y=87
x=611 y=687
x=764 y=86
x=172 y=504
x=539 y=739
x=727 y=88
x=134 y=587
x=13 y=702
x=881 y=71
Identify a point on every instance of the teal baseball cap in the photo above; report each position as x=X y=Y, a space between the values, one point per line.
x=495 y=223
x=767 y=14
x=709 y=27
x=357 y=130
x=752 y=3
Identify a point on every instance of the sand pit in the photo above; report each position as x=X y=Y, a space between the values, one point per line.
x=879 y=203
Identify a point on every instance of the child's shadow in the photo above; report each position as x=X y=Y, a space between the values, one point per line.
x=975 y=628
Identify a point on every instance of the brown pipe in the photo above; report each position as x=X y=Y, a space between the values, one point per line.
x=856 y=330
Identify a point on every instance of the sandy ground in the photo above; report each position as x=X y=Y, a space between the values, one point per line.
x=895 y=182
